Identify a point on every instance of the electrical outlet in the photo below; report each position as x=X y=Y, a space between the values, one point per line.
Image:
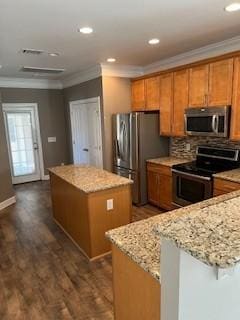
x=110 y=204
x=52 y=139
x=188 y=147
x=62 y=163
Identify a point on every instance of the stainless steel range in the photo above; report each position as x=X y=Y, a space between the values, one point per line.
x=193 y=181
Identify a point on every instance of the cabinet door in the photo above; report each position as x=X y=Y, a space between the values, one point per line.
x=220 y=83
x=166 y=104
x=138 y=95
x=198 y=86
x=180 y=101
x=165 y=187
x=152 y=93
x=235 y=118
x=153 y=187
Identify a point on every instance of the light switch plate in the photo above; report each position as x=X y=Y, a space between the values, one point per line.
x=188 y=147
x=110 y=204
x=52 y=139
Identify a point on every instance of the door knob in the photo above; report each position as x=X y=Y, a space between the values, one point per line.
x=85 y=149
x=35 y=146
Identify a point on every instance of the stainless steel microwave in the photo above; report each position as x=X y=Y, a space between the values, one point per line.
x=208 y=121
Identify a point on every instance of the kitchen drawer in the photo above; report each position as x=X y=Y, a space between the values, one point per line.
x=158 y=168
x=225 y=186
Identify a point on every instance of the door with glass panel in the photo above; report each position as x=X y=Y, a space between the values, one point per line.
x=22 y=138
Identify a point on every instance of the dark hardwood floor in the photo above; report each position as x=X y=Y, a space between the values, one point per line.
x=42 y=273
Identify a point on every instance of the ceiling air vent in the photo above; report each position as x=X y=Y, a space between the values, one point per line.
x=42 y=70
x=34 y=52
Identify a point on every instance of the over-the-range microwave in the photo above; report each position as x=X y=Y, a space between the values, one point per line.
x=207 y=121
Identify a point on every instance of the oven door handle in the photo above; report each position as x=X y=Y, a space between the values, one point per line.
x=191 y=175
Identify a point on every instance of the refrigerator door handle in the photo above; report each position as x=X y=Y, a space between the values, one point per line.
x=117 y=151
x=131 y=141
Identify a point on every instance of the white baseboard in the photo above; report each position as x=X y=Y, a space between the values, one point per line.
x=7 y=203
x=46 y=177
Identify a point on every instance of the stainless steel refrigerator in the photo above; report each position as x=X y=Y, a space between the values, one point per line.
x=136 y=139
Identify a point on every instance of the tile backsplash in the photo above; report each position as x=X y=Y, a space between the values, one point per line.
x=180 y=146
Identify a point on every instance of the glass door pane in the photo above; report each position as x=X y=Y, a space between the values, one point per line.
x=20 y=134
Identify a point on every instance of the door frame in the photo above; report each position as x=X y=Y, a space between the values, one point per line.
x=84 y=101
x=10 y=106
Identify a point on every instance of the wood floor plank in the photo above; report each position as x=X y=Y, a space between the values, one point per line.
x=43 y=275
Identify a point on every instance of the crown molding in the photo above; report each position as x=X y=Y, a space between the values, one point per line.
x=83 y=76
x=202 y=53
x=7 y=82
x=123 y=71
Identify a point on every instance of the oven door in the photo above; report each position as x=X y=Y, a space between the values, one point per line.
x=190 y=188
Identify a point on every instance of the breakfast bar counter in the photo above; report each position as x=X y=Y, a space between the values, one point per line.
x=208 y=231
x=87 y=202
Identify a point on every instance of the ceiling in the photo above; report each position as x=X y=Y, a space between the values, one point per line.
x=121 y=30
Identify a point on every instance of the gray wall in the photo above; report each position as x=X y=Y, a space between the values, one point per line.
x=86 y=90
x=116 y=99
x=51 y=117
x=6 y=189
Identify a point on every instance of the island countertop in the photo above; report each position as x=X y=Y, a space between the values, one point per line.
x=89 y=179
x=168 y=161
x=141 y=241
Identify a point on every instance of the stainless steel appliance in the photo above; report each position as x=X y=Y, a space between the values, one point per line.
x=209 y=121
x=193 y=181
x=136 y=139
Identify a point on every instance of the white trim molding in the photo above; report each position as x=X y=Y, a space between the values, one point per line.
x=209 y=51
x=122 y=71
x=83 y=76
x=7 y=203
x=6 y=82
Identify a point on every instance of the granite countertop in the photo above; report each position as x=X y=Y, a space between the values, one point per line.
x=141 y=241
x=231 y=175
x=89 y=179
x=210 y=234
x=168 y=161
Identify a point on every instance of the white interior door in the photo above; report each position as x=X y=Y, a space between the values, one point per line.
x=86 y=132
x=23 y=142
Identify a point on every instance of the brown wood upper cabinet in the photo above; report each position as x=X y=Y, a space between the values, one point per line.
x=166 y=103
x=152 y=93
x=198 y=86
x=235 y=118
x=180 y=101
x=138 y=95
x=220 y=83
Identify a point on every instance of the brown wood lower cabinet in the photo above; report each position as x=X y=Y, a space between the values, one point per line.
x=222 y=186
x=136 y=292
x=84 y=217
x=160 y=185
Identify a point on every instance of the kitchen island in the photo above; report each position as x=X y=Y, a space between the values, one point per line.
x=87 y=202
x=148 y=245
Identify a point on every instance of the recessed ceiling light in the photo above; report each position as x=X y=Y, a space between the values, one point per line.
x=154 y=41
x=233 y=7
x=53 y=54
x=85 y=30
x=111 y=60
